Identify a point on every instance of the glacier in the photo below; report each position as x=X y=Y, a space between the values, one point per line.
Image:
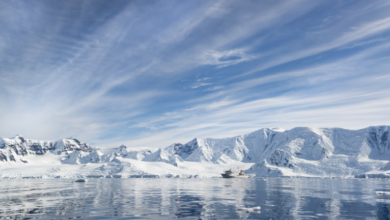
x=268 y=152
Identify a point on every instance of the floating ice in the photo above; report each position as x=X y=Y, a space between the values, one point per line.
x=253 y=209
x=383 y=193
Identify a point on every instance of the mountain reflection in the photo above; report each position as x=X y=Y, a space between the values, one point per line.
x=194 y=198
x=188 y=206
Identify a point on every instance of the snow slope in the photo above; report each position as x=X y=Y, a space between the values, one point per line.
x=306 y=152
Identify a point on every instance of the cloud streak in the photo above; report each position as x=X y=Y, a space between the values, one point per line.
x=148 y=74
x=225 y=58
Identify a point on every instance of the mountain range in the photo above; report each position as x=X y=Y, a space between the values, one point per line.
x=268 y=152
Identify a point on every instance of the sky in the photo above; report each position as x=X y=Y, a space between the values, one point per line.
x=148 y=74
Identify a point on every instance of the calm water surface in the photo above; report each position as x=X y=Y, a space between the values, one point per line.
x=194 y=199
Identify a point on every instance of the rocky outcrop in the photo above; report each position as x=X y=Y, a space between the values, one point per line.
x=17 y=149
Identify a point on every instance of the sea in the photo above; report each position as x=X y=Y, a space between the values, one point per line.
x=278 y=198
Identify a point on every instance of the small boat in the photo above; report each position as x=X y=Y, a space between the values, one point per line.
x=81 y=181
x=233 y=174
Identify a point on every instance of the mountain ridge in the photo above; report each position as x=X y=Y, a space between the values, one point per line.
x=301 y=151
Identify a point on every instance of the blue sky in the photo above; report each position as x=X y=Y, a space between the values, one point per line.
x=152 y=73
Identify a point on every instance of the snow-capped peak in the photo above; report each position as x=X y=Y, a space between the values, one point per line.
x=300 y=151
x=17 y=136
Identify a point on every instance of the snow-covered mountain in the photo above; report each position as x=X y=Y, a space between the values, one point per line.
x=17 y=149
x=320 y=152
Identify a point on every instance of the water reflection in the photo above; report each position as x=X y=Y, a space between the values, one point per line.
x=195 y=198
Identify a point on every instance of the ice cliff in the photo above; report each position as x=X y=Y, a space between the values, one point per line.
x=311 y=152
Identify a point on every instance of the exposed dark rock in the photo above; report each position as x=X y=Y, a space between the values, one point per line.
x=379 y=139
x=38 y=149
x=176 y=148
x=3 y=158
x=77 y=141
x=12 y=158
x=22 y=139
x=385 y=137
x=18 y=149
x=68 y=146
x=281 y=158
x=122 y=147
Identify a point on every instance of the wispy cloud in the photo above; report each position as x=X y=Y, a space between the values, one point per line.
x=363 y=43
x=214 y=88
x=225 y=58
x=358 y=33
x=148 y=74
x=198 y=84
x=350 y=104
